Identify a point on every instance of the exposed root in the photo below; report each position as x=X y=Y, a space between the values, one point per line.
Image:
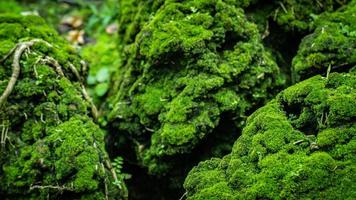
x=75 y=72
x=283 y=7
x=84 y=66
x=328 y=72
x=60 y=188
x=55 y=64
x=18 y=50
x=109 y=166
x=94 y=110
x=105 y=183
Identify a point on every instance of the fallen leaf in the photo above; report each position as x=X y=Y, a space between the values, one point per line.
x=76 y=37
x=73 y=21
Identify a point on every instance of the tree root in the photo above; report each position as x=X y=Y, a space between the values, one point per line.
x=55 y=64
x=18 y=50
x=75 y=71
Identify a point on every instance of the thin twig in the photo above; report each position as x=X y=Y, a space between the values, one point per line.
x=283 y=7
x=109 y=166
x=8 y=54
x=84 y=66
x=105 y=183
x=55 y=64
x=94 y=110
x=75 y=71
x=185 y=194
x=328 y=71
x=266 y=32
x=60 y=188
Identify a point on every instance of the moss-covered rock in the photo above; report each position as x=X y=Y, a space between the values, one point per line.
x=301 y=145
x=185 y=65
x=331 y=45
x=50 y=146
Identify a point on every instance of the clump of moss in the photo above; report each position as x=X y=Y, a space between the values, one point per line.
x=301 y=145
x=50 y=147
x=331 y=45
x=298 y=15
x=293 y=16
x=185 y=66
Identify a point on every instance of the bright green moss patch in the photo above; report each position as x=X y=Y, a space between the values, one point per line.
x=332 y=44
x=301 y=145
x=298 y=15
x=185 y=66
x=50 y=147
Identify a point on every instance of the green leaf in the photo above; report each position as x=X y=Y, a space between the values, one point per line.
x=103 y=75
x=91 y=80
x=101 y=89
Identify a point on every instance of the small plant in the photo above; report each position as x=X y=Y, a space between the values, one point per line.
x=121 y=176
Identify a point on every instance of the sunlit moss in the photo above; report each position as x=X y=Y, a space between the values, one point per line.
x=298 y=146
x=185 y=65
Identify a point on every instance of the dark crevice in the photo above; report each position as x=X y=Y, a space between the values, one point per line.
x=142 y=185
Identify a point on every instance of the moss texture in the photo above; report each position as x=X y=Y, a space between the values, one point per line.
x=50 y=146
x=186 y=65
x=331 y=45
x=298 y=15
x=301 y=145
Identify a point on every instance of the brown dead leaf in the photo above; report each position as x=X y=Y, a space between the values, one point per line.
x=76 y=37
x=73 y=21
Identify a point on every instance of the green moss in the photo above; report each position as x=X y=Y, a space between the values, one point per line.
x=298 y=146
x=298 y=15
x=332 y=44
x=50 y=146
x=185 y=65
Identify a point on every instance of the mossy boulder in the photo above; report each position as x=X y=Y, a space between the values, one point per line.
x=301 y=145
x=186 y=65
x=331 y=45
x=50 y=146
